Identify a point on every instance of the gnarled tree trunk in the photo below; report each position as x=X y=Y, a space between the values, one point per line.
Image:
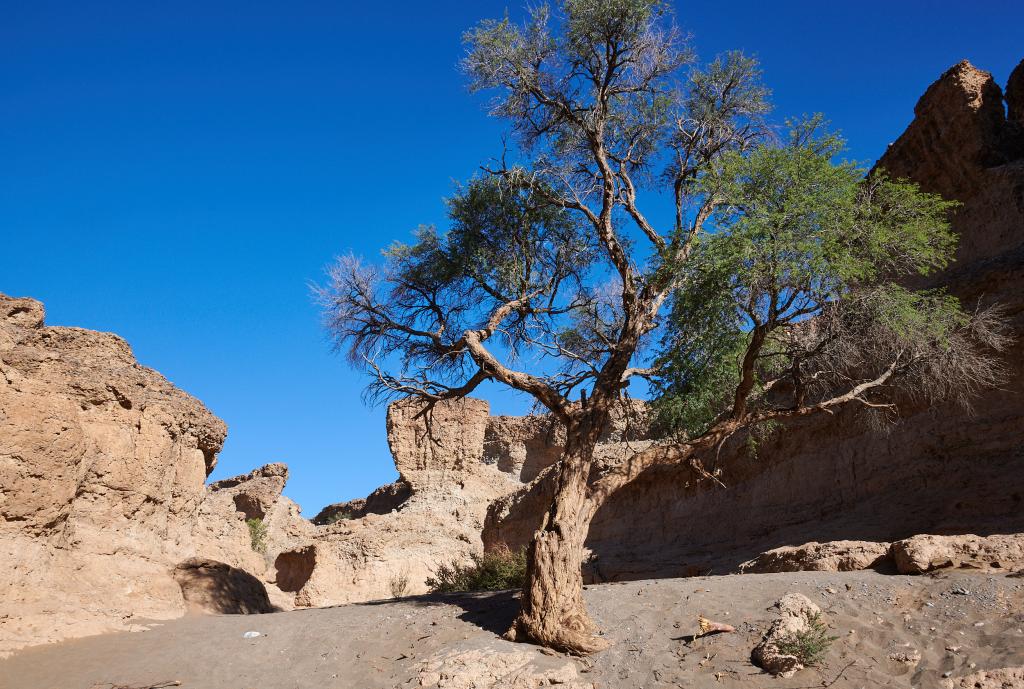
x=553 y=613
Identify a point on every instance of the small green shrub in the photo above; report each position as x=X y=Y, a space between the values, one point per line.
x=810 y=645
x=399 y=585
x=337 y=517
x=257 y=534
x=495 y=570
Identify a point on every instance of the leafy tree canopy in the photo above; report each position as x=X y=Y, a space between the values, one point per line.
x=799 y=237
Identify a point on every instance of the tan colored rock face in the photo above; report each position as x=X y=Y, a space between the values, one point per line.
x=957 y=130
x=448 y=437
x=102 y=471
x=433 y=514
x=255 y=493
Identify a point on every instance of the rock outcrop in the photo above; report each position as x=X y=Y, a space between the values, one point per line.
x=938 y=471
x=1015 y=96
x=915 y=555
x=837 y=556
x=924 y=553
x=436 y=511
x=102 y=498
x=102 y=465
x=253 y=496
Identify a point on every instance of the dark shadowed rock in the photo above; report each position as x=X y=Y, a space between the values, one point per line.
x=1015 y=95
x=214 y=587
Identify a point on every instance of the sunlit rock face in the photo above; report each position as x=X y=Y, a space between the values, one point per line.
x=102 y=471
x=394 y=540
x=104 y=509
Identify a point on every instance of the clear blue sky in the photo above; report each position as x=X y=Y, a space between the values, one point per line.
x=178 y=172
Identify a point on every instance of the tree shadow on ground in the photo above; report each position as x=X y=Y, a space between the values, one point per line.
x=492 y=611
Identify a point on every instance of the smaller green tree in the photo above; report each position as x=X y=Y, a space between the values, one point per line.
x=796 y=303
x=257 y=534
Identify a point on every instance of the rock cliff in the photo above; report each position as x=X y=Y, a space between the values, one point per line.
x=102 y=470
x=102 y=464
x=391 y=542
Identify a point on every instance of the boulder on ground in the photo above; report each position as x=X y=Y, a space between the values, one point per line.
x=834 y=556
x=925 y=553
x=795 y=614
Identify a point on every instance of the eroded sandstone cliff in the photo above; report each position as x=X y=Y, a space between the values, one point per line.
x=393 y=541
x=102 y=470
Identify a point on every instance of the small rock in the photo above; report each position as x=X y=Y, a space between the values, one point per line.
x=913 y=657
x=795 y=613
x=251 y=635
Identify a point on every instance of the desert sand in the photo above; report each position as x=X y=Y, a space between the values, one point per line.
x=958 y=622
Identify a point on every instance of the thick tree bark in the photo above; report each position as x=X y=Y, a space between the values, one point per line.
x=553 y=613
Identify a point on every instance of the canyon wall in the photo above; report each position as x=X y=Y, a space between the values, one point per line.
x=391 y=542
x=102 y=471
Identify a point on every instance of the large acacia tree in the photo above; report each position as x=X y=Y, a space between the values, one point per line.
x=763 y=285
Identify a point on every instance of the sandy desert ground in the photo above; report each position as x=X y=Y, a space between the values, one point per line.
x=957 y=621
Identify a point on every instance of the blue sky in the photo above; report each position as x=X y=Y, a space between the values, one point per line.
x=178 y=173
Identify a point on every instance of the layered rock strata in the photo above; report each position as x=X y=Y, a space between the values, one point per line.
x=362 y=552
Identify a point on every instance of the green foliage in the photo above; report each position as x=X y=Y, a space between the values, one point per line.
x=759 y=432
x=257 y=534
x=337 y=517
x=502 y=241
x=798 y=235
x=399 y=585
x=810 y=645
x=495 y=570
